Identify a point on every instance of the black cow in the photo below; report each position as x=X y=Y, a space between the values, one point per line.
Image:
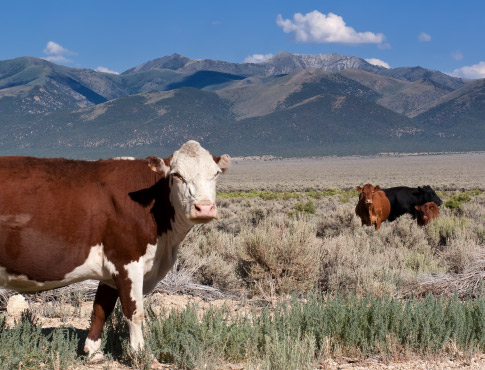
x=403 y=199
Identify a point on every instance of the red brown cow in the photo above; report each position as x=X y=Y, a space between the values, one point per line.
x=427 y=212
x=117 y=221
x=373 y=206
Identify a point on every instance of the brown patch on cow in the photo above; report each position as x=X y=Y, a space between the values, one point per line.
x=427 y=212
x=75 y=205
x=124 y=285
x=373 y=206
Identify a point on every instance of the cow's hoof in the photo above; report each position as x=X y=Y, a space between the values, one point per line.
x=156 y=365
x=96 y=358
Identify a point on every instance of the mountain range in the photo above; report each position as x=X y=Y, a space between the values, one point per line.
x=289 y=105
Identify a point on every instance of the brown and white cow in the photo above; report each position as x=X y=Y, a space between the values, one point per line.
x=427 y=212
x=373 y=206
x=117 y=221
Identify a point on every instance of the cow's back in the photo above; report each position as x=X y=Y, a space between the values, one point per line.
x=54 y=211
x=402 y=200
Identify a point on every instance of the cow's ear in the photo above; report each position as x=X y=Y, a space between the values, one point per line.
x=224 y=161
x=159 y=165
x=359 y=189
x=377 y=188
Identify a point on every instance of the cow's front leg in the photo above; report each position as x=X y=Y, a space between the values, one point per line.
x=103 y=305
x=129 y=282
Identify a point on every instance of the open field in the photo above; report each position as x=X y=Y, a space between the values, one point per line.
x=289 y=259
x=447 y=171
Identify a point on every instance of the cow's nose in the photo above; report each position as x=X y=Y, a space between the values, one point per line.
x=205 y=210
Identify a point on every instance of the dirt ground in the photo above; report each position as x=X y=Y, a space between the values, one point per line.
x=465 y=170
x=78 y=317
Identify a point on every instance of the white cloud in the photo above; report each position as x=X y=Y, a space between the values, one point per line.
x=257 y=58
x=53 y=48
x=57 y=59
x=424 y=37
x=457 y=55
x=378 y=62
x=474 y=71
x=317 y=27
x=106 y=70
x=56 y=53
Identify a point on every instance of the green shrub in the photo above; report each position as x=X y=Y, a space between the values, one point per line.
x=457 y=200
x=296 y=332
x=265 y=195
x=444 y=228
x=287 y=352
x=307 y=207
x=28 y=346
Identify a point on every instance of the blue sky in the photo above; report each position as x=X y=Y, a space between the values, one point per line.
x=116 y=35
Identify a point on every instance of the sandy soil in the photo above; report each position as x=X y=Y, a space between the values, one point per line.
x=453 y=171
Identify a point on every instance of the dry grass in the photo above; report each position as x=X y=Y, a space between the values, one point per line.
x=297 y=231
x=279 y=254
x=343 y=256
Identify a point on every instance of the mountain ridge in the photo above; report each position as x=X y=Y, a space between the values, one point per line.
x=292 y=104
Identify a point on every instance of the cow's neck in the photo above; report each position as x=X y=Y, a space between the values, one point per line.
x=172 y=226
x=180 y=226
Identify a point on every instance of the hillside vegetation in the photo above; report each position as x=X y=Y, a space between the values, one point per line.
x=290 y=105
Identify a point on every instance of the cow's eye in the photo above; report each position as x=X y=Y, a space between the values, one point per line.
x=217 y=174
x=178 y=176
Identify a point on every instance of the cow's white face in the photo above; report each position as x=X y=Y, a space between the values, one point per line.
x=192 y=173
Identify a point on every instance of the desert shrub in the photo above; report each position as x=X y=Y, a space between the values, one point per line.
x=28 y=346
x=475 y=192
x=307 y=207
x=457 y=200
x=194 y=341
x=295 y=332
x=349 y=265
x=365 y=261
x=280 y=255
x=265 y=195
x=283 y=351
x=211 y=256
x=458 y=254
x=246 y=244
x=347 y=195
x=324 y=193
x=334 y=222
x=441 y=230
x=344 y=195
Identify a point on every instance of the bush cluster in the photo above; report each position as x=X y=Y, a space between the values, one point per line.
x=273 y=245
x=297 y=333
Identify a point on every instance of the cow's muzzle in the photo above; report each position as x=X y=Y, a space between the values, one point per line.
x=203 y=212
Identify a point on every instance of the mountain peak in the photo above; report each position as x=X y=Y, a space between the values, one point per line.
x=172 y=62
